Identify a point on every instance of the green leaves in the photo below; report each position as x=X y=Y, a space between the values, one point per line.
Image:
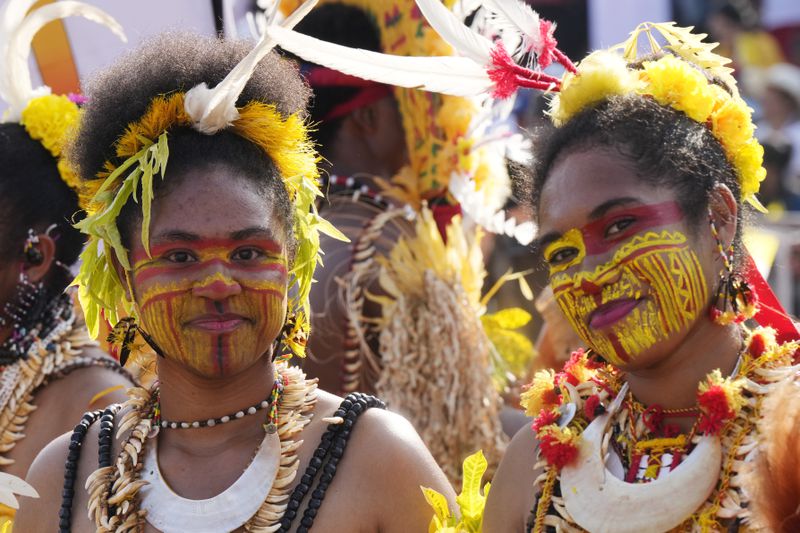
x=471 y=500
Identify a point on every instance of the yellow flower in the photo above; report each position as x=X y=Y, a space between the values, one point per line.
x=535 y=398
x=731 y=124
x=675 y=83
x=748 y=162
x=48 y=118
x=601 y=75
x=731 y=387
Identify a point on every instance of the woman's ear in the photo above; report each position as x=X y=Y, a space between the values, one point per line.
x=39 y=257
x=724 y=212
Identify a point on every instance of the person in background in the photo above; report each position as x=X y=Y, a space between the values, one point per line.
x=50 y=369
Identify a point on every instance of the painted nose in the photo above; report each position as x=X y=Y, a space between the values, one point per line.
x=591 y=287
x=218 y=289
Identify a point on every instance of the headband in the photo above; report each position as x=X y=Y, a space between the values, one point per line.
x=144 y=149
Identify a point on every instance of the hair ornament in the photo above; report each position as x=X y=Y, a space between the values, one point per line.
x=46 y=117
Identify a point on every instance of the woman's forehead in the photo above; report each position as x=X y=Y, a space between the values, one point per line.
x=583 y=183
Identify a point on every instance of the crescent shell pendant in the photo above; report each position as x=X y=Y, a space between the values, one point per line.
x=599 y=502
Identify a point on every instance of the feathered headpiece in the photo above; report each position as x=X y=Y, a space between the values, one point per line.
x=46 y=117
x=457 y=140
x=145 y=148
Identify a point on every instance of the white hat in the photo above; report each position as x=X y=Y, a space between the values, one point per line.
x=786 y=78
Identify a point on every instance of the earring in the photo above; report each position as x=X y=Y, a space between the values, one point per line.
x=33 y=256
x=293 y=336
x=23 y=312
x=122 y=339
x=734 y=301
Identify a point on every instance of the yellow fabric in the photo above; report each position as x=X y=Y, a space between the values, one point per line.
x=7 y=515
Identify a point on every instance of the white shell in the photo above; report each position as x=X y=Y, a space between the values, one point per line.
x=170 y=513
x=602 y=503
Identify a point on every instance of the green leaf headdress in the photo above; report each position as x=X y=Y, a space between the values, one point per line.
x=145 y=150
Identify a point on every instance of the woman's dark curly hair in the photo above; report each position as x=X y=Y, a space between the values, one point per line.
x=177 y=61
x=33 y=196
x=666 y=147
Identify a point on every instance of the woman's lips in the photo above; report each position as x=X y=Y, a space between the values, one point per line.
x=217 y=323
x=611 y=312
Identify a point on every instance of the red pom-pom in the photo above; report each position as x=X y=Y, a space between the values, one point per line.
x=715 y=410
x=590 y=406
x=758 y=345
x=550 y=397
x=557 y=453
x=546 y=417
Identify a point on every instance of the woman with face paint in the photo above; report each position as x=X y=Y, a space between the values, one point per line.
x=652 y=427
x=639 y=192
x=210 y=263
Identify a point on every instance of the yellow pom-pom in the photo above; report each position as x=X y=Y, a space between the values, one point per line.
x=600 y=75
x=540 y=393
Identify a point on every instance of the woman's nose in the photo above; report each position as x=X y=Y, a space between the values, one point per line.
x=217 y=287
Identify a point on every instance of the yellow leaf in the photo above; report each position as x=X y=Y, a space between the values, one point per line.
x=470 y=500
x=512 y=318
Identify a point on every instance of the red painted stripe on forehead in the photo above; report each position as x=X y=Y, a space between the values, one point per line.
x=148 y=272
x=205 y=244
x=647 y=217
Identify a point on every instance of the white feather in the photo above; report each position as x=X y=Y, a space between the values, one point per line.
x=466 y=42
x=214 y=109
x=17 y=86
x=457 y=76
x=519 y=17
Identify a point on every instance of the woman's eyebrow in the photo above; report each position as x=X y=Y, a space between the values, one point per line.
x=605 y=207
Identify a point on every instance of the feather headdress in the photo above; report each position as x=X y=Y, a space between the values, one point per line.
x=145 y=145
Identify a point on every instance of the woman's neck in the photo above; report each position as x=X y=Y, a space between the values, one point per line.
x=186 y=397
x=672 y=383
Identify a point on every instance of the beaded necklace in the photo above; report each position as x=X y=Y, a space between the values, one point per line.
x=764 y=364
x=114 y=500
x=270 y=402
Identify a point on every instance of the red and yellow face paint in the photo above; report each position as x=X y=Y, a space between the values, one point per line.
x=652 y=288
x=214 y=305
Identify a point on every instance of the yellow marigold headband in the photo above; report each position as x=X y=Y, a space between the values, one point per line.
x=145 y=151
x=674 y=81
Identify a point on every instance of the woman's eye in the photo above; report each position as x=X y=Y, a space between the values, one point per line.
x=619 y=226
x=561 y=255
x=180 y=257
x=246 y=254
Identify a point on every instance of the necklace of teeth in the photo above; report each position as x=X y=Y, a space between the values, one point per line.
x=270 y=402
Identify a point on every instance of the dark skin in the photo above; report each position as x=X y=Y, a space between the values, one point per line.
x=53 y=415
x=201 y=463
x=669 y=372
x=370 y=144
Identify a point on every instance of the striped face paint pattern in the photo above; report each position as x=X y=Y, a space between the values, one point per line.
x=654 y=275
x=215 y=306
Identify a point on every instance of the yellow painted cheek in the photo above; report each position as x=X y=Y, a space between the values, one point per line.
x=659 y=266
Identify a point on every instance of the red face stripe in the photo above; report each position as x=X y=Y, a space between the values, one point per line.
x=147 y=272
x=642 y=218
